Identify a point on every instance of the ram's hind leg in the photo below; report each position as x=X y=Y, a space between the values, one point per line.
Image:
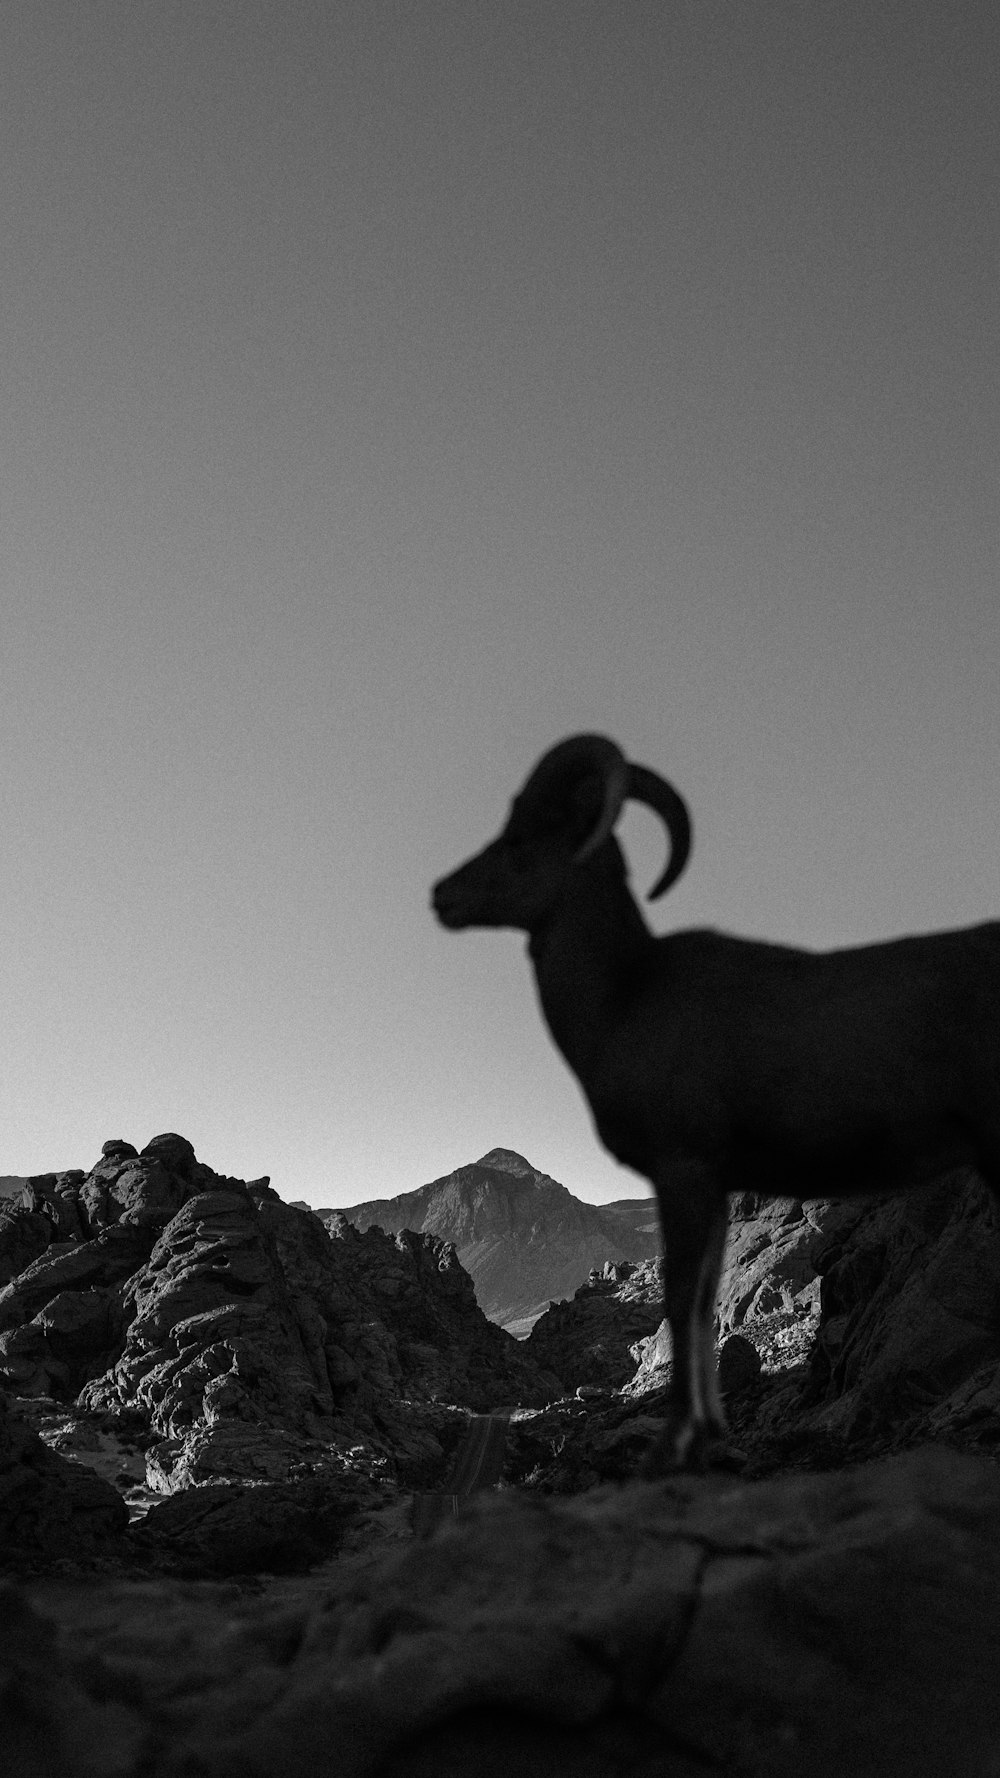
x=708 y=1296
x=693 y=1221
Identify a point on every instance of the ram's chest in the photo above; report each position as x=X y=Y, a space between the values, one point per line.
x=641 y=1117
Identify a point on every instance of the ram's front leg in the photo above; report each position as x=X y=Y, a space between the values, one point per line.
x=693 y=1219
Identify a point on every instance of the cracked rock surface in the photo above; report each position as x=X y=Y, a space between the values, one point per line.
x=834 y=1624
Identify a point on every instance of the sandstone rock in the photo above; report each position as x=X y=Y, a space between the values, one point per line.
x=245 y=1334
x=612 y=1334
x=50 y=1507
x=899 y=1296
x=270 y=1527
x=838 y=1625
x=842 y=1623
x=910 y=1314
x=24 y=1234
x=589 y=1340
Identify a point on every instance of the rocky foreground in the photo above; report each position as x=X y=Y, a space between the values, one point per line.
x=278 y=1390
x=838 y=1624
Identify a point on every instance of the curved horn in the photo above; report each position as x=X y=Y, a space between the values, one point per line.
x=577 y=757
x=647 y=787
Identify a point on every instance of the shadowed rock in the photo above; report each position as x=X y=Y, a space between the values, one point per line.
x=50 y=1508
x=238 y=1327
x=832 y=1624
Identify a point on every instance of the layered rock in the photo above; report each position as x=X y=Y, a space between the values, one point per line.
x=834 y=1624
x=522 y=1237
x=235 y=1325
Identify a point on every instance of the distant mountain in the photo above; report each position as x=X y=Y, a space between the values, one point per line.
x=525 y=1239
x=10 y=1185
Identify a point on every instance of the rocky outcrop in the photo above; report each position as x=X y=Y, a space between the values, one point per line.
x=589 y=1341
x=244 y=1334
x=908 y=1344
x=611 y=1334
x=225 y=1528
x=50 y=1507
x=522 y=1237
x=863 y=1326
x=834 y=1624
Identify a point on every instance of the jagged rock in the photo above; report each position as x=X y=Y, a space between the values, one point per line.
x=447 y=1349
x=56 y=1196
x=62 y=1315
x=589 y=1340
x=24 y=1234
x=270 y=1527
x=240 y=1328
x=50 y=1507
x=909 y=1333
x=905 y=1340
x=829 y=1624
x=522 y=1237
x=612 y=1333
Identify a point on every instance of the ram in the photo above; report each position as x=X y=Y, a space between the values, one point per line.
x=715 y=1064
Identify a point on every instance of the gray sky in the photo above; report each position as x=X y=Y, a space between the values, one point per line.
x=388 y=391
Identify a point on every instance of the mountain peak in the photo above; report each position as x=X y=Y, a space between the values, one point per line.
x=506 y=1160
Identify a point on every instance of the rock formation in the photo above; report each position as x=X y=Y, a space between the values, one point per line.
x=840 y=1621
x=50 y=1508
x=523 y=1238
x=243 y=1333
x=864 y=1326
x=589 y=1341
x=908 y=1344
x=830 y=1624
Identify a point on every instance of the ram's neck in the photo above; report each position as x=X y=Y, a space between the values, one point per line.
x=588 y=956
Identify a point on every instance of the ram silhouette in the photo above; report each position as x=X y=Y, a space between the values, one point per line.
x=714 y=1064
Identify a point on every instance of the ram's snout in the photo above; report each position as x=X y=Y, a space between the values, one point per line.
x=449 y=903
x=469 y=896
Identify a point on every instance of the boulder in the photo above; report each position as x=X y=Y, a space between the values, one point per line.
x=270 y=1527
x=50 y=1507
